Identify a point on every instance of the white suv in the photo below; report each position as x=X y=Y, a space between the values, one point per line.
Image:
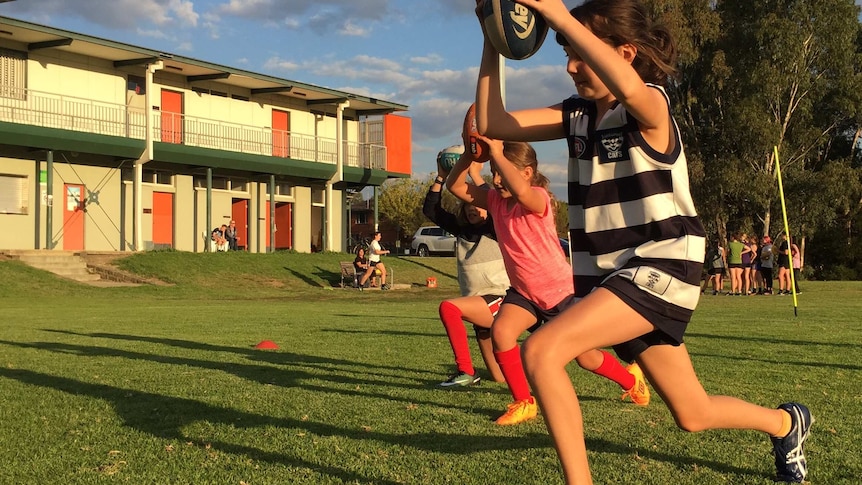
x=432 y=239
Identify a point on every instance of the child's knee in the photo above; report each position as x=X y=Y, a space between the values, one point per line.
x=533 y=357
x=693 y=421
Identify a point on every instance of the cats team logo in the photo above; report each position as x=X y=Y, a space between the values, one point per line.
x=613 y=144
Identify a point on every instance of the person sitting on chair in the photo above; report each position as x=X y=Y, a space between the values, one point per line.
x=232 y=236
x=360 y=264
x=375 y=251
x=219 y=241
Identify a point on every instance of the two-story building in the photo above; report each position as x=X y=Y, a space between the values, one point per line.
x=107 y=146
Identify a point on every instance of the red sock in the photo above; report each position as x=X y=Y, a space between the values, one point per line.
x=613 y=370
x=450 y=315
x=513 y=371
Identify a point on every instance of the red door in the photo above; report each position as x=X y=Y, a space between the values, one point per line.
x=239 y=214
x=163 y=219
x=73 y=217
x=280 y=133
x=172 y=116
x=283 y=233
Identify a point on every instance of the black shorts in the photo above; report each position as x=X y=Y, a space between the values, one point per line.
x=670 y=322
x=716 y=271
x=542 y=315
x=735 y=265
x=373 y=263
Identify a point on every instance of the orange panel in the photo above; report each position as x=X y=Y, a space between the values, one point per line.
x=172 y=116
x=397 y=133
x=163 y=218
x=280 y=133
x=73 y=217
x=239 y=214
x=283 y=229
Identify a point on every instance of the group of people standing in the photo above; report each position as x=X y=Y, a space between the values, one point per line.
x=752 y=264
x=637 y=245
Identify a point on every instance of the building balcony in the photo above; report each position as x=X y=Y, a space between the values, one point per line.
x=73 y=114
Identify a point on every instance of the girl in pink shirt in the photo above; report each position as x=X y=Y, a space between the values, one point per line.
x=541 y=278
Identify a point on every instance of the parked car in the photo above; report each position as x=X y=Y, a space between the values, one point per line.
x=432 y=240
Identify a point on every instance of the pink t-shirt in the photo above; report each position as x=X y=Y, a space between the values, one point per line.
x=531 y=250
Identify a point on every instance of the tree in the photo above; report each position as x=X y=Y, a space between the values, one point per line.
x=401 y=202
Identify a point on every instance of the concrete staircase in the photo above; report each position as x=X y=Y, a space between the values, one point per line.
x=67 y=264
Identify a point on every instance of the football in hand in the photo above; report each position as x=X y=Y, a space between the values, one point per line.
x=516 y=31
x=480 y=150
x=448 y=157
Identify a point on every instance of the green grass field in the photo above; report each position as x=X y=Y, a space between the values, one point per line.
x=163 y=385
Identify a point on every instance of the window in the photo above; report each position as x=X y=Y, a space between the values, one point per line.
x=13 y=74
x=137 y=84
x=13 y=194
x=360 y=218
x=281 y=189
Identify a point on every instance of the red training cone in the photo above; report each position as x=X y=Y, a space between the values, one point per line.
x=266 y=345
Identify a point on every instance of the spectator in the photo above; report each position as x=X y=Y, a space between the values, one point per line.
x=767 y=260
x=736 y=248
x=360 y=264
x=796 y=263
x=374 y=263
x=717 y=260
x=783 y=266
x=232 y=236
x=219 y=241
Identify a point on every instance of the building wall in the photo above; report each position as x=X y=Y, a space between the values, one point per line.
x=19 y=229
x=109 y=217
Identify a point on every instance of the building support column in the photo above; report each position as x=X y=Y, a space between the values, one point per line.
x=138 y=216
x=329 y=217
x=49 y=195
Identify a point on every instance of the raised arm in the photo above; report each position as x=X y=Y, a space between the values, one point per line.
x=515 y=180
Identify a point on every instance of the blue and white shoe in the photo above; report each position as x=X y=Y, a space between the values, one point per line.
x=789 y=451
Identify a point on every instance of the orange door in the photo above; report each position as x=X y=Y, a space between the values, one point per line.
x=239 y=214
x=163 y=219
x=280 y=133
x=73 y=217
x=172 y=116
x=283 y=233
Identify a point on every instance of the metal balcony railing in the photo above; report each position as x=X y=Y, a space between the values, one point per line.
x=49 y=110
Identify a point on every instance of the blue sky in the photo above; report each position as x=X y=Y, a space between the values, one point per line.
x=422 y=53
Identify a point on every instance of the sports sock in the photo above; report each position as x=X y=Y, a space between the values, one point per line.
x=786 y=424
x=613 y=370
x=451 y=315
x=513 y=371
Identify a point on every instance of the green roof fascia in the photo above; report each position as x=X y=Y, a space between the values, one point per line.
x=40 y=137
x=246 y=162
x=365 y=176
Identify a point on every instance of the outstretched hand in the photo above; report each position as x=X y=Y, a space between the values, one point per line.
x=554 y=12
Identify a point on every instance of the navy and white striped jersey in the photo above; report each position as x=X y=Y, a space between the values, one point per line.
x=630 y=208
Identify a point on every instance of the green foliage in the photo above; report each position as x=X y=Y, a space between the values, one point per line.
x=401 y=202
x=163 y=385
x=759 y=74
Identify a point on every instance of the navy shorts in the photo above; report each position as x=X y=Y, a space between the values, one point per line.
x=670 y=324
x=542 y=315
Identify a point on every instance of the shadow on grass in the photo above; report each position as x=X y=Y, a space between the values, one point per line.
x=412 y=261
x=311 y=281
x=347 y=378
x=772 y=340
x=165 y=417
